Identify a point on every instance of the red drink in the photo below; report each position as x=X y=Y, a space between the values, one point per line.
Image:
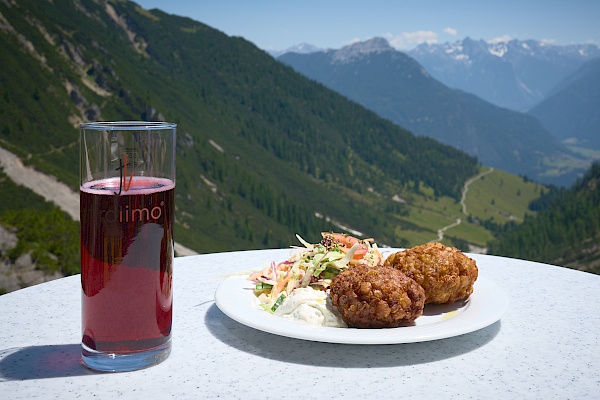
x=127 y=263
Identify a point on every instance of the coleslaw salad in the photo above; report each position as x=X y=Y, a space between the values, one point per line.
x=313 y=265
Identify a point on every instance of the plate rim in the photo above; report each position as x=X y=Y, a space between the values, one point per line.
x=484 y=307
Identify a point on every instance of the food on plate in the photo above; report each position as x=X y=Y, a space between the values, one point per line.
x=445 y=273
x=344 y=281
x=313 y=265
x=312 y=307
x=376 y=297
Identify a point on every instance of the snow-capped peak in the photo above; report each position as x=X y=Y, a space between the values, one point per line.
x=359 y=49
x=302 y=48
x=498 y=49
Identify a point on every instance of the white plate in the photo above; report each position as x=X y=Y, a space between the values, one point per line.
x=235 y=298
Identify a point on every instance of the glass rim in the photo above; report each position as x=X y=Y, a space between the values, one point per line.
x=127 y=125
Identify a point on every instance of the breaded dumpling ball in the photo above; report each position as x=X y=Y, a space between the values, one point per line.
x=376 y=297
x=446 y=274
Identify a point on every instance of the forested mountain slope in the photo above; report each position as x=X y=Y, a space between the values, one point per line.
x=263 y=153
x=397 y=87
x=565 y=232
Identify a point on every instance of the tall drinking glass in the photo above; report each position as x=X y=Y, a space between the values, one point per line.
x=127 y=211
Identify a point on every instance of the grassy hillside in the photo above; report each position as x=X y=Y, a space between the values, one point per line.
x=492 y=198
x=502 y=197
x=566 y=230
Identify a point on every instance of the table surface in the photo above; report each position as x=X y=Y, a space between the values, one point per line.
x=546 y=345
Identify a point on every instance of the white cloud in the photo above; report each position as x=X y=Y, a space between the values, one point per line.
x=501 y=39
x=408 y=40
x=451 y=31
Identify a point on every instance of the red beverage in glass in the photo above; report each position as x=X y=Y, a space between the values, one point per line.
x=127 y=263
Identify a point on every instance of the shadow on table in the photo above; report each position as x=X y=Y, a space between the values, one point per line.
x=298 y=351
x=40 y=362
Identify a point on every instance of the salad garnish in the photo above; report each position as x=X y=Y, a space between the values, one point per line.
x=313 y=265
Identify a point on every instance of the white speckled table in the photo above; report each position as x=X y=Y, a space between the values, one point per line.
x=546 y=346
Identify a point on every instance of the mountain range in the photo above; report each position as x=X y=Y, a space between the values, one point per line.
x=570 y=111
x=516 y=74
x=400 y=89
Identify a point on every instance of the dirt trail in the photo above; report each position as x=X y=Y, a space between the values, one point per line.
x=466 y=188
x=51 y=189
x=463 y=205
x=45 y=185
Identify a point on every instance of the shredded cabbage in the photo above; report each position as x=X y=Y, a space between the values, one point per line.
x=313 y=265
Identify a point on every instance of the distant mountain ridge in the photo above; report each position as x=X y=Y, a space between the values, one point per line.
x=356 y=51
x=398 y=88
x=302 y=48
x=514 y=74
x=572 y=110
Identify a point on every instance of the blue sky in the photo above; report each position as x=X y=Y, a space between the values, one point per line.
x=278 y=25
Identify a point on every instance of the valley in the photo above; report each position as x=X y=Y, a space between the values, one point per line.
x=463 y=205
x=422 y=220
x=477 y=97
x=419 y=226
x=491 y=196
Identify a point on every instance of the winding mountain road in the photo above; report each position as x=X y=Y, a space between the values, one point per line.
x=463 y=204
